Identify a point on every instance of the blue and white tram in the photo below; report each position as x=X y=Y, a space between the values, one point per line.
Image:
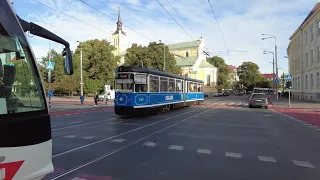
x=140 y=91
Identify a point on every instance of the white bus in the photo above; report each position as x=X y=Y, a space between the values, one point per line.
x=25 y=128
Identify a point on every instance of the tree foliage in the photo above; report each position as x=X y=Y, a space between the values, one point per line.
x=249 y=74
x=152 y=56
x=98 y=65
x=223 y=71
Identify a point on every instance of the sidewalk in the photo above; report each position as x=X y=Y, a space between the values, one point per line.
x=295 y=104
x=75 y=100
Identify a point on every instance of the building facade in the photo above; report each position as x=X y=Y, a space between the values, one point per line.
x=304 y=57
x=119 y=40
x=191 y=58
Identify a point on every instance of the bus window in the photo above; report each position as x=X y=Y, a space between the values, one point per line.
x=20 y=90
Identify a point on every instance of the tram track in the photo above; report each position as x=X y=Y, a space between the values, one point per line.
x=129 y=144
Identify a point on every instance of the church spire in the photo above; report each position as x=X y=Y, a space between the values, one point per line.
x=119 y=25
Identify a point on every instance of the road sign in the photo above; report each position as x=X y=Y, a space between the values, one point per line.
x=276 y=81
x=50 y=65
x=50 y=93
x=289 y=76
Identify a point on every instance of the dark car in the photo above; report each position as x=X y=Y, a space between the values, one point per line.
x=258 y=100
x=226 y=93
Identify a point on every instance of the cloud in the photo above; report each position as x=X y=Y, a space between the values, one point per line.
x=241 y=24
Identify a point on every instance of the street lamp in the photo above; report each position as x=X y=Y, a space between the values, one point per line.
x=270 y=52
x=81 y=77
x=275 y=53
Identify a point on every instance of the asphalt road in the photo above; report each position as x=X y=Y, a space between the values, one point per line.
x=223 y=139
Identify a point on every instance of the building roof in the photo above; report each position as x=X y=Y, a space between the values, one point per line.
x=315 y=9
x=184 y=45
x=232 y=68
x=269 y=75
x=205 y=64
x=188 y=61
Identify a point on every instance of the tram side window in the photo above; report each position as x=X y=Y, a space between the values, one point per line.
x=201 y=87
x=195 y=87
x=178 y=86
x=164 y=84
x=172 y=85
x=190 y=86
x=154 y=83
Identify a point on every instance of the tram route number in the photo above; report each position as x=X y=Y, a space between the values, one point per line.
x=141 y=99
x=2 y=173
x=168 y=98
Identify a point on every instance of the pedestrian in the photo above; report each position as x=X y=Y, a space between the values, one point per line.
x=96 y=97
x=82 y=99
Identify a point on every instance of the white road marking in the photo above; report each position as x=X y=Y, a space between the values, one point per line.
x=306 y=124
x=204 y=151
x=130 y=124
x=313 y=126
x=152 y=144
x=69 y=136
x=303 y=164
x=234 y=155
x=121 y=148
x=267 y=115
x=76 y=178
x=118 y=140
x=82 y=124
x=88 y=137
x=175 y=147
x=75 y=122
x=127 y=132
x=267 y=159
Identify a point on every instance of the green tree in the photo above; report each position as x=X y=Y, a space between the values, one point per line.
x=152 y=56
x=223 y=71
x=249 y=74
x=98 y=64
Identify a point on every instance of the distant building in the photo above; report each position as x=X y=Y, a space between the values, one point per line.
x=304 y=57
x=233 y=77
x=269 y=76
x=191 y=58
x=119 y=40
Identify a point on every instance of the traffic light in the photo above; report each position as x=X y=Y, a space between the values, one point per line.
x=46 y=77
x=53 y=76
x=289 y=85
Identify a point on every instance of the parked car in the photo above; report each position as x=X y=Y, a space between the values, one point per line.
x=226 y=93
x=220 y=94
x=215 y=94
x=258 y=100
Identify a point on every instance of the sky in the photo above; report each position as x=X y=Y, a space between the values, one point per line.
x=242 y=23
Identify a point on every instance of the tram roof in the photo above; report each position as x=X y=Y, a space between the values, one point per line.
x=154 y=72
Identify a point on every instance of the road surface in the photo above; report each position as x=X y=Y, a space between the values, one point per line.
x=222 y=139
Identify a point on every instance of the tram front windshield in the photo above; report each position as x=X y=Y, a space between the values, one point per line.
x=20 y=88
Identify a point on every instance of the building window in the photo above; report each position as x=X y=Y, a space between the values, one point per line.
x=311 y=33
x=318 y=80
x=311 y=81
x=306 y=83
x=306 y=59
x=318 y=28
x=208 y=80
x=306 y=37
x=187 y=54
x=312 y=57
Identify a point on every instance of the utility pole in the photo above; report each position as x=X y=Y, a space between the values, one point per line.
x=81 y=77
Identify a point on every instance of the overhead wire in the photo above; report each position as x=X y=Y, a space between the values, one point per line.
x=68 y=15
x=180 y=17
x=218 y=25
x=113 y=19
x=175 y=20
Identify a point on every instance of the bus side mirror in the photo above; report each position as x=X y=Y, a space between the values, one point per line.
x=67 y=61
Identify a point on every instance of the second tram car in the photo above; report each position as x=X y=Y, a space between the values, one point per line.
x=140 y=91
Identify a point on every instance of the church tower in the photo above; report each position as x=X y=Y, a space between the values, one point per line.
x=119 y=40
